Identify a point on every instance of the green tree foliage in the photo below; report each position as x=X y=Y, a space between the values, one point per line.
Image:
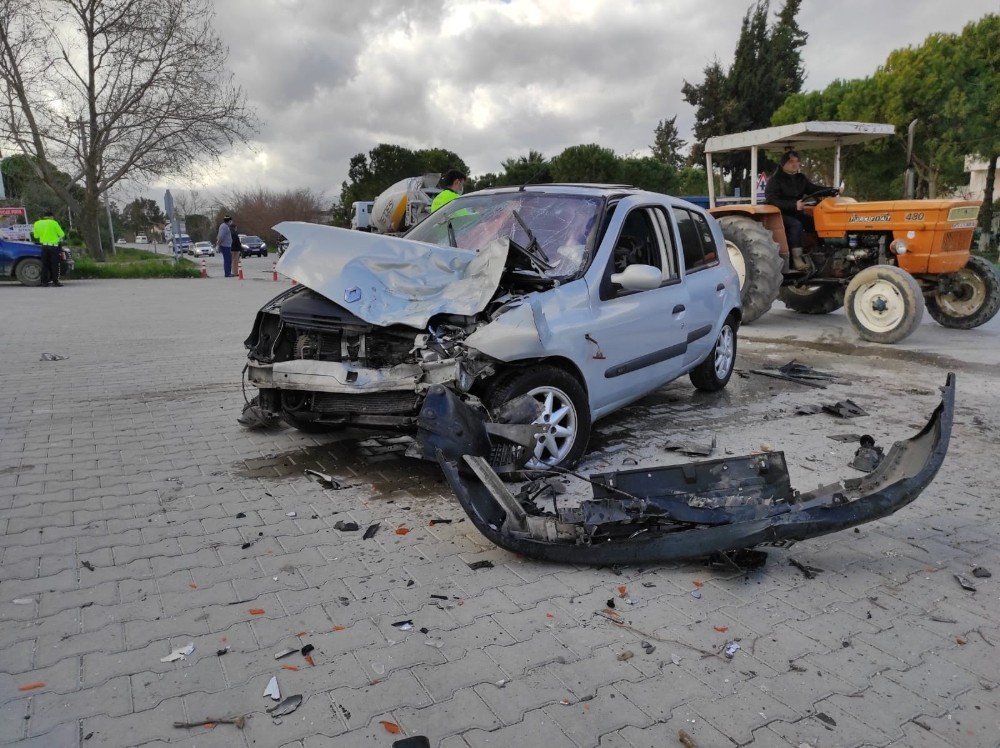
x=766 y=69
x=949 y=83
x=199 y=227
x=141 y=215
x=585 y=163
x=667 y=143
x=25 y=188
x=647 y=173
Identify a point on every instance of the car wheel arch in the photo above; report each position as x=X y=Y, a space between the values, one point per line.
x=511 y=368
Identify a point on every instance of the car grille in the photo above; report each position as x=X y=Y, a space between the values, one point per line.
x=368 y=403
x=373 y=350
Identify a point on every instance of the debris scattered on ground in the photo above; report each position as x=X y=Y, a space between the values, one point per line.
x=688 y=446
x=433 y=641
x=611 y=603
x=327 y=481
x=648 y=584
x=284 y=653
x=255 y=417
x=307 y=649
x=844 y=409
x=222 y=652
x=438 y=597
x=721 y=629
x=868 y=456
x=211 y=722
x=180 y=653
x=742 y=560
x=808 y=409
x=370 y=532
x=416 y=741
x=844 y=437
x=87 y=565
x=981 y=573
x=826 y=719
x=440 y=521
x=809 y=572
x=616 y=619
x=777 y=375
x=501 y=683
x=345 y=526
x=23 y=600
x=731 y=649
x=241 y=515
x=481 y=565
x=648 y=647
x=31 y=686
x=965 y=583
x=625 y=656
x=696 y=594
x=686 y=740
x=676 y=659
x=390 y=727
x=256 y=611
x=291 y=514
x=272 y=689
x=402 y=530
x=52 y=357
x=403 y=625
x=287 y=706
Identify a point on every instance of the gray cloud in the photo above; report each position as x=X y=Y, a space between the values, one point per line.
x=491 y=80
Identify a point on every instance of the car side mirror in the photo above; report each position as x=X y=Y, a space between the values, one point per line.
x=638 y=278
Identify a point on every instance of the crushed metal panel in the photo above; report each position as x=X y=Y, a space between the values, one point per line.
x=388 y=280
x=629 y=529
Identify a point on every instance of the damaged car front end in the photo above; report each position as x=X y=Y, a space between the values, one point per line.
x=677 y=512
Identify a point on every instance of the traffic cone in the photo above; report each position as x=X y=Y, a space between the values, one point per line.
x=204 y=268
x=241 y=272
x=274 y=271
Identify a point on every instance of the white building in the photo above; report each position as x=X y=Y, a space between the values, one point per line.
x=977 y=179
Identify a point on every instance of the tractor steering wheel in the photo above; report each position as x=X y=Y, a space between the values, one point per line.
x=815 y=197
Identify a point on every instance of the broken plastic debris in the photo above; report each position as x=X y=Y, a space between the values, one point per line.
x=345 y=526
x=440 y=522
x=256 y=611
x=223 y=651
x=290 y=514
x=31 y=686
x=626 y=656
x=501 y=683
x=414 y=741
x=208 y=723
x=287 y=706
x=241 y=515
x=731 y=649
x=434 y=642
x=481 y=565
x=390 y=727
x=403 y=625
x=648 y=647
x=378 y=668
x=809 y=572
x=826 y=718
x=721 y=629
x=844 y=409
x=272 y=689
x=676 y=659
x=307 y=649
x=323 y=479
x=981 y=573
x=696 y=594
x=370 y=532
x=965 y=583
x=284 y=653
x=52 y=357
x=23 y=600
x=179 y=654
x=688 y=446
x=402 y=530
x=87 y=565
x=868 y=456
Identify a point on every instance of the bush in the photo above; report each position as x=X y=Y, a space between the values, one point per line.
x=134 y=268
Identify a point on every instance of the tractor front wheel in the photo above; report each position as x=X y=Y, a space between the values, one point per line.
x=884 y=304
x=812 y=299
x=972 y=298
x=755 y=255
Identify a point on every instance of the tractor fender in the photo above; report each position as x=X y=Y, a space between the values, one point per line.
x=768 y=215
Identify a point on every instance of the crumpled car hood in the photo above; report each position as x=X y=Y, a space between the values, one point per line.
x=388 y=280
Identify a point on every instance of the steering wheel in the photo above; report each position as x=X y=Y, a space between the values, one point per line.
x=815 y=197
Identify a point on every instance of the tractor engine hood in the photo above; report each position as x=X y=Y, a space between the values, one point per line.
x=389 y=280
x=673 y=513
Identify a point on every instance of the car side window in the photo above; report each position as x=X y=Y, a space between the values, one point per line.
x=638 y=242
x=697 y=241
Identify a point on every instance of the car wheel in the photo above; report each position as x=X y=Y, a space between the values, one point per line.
x=712 y=374
x=565 y=410
x=29 y=271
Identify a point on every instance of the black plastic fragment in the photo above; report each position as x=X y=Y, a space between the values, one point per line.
x=370 y=532
x=868 y=456
x=981 y=573
x=345 y=526
x=845 y=409
x=481 y=565
x=414 y=741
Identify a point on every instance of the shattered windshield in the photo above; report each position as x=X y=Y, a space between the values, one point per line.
x=562 y=226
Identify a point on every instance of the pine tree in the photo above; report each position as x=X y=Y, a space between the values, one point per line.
x=667 y=143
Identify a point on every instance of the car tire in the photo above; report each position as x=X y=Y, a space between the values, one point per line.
x=812 y=299
x=29 y=271
x=977 y=299
x=884 y=304
x=264 y=254
x=566 y=408
x=756 y=257
x=714 y=373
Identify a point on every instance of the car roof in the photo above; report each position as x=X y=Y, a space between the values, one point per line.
x=566 y=188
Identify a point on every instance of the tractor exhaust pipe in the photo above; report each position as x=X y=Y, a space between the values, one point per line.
x=910 y=178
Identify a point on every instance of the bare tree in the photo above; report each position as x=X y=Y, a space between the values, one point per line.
x=108 y=90
x=257 y=210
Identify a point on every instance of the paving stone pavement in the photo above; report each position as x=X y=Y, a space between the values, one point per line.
x=136 y=517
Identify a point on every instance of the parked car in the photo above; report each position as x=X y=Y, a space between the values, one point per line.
x=202 y=249
x=141 y=239
x=121 y=242
x=182 y=244
x=585 y=298
x=252 y=245
x=23 y=261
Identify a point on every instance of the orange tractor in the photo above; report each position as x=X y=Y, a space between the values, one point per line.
x=885 y=261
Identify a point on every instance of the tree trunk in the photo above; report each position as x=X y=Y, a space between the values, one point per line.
x=90 y=215
x=986 y=212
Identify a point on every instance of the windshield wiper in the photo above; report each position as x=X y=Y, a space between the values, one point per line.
x=534 y=250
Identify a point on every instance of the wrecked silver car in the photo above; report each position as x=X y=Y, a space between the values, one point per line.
x=584 y=298
x=671 y=513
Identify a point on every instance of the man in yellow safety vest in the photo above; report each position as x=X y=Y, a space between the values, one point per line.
x=454 y=182
x=49 y=234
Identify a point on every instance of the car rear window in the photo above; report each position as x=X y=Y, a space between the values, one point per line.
x=697 y=242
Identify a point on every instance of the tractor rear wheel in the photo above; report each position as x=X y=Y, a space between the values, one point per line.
x=884 y=304
x=755 y=255
x=812 y=299
x=972 y=299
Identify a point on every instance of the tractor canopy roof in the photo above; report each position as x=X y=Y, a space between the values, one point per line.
x=800 y=136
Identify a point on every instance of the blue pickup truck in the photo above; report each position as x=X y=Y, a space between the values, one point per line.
x=23 y=261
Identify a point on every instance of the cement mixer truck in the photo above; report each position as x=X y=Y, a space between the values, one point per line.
x=397 y=209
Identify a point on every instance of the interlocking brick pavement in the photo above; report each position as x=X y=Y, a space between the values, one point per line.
x=123 y=470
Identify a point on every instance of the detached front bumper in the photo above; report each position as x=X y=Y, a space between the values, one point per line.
x=686 y=511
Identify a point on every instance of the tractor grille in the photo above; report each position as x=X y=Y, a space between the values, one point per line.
x=957 y=241
x=368 y=403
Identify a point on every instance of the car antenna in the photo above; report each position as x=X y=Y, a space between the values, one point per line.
x=541 y=168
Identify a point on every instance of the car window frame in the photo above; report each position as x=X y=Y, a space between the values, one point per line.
x=701 y=244
x=608 y=290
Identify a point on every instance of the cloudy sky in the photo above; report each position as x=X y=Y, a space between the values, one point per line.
x=491 y=79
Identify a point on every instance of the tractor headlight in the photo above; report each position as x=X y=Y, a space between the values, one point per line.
x=898 y=247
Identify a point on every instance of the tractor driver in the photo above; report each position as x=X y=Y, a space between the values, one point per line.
x=785 y=190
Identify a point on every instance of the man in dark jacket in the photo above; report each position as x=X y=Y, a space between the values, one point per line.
x=785 y=189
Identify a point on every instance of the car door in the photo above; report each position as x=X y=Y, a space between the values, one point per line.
x=705 y=286
x=641 y=335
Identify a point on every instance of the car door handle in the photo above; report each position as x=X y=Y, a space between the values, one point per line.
x=678 y=309
x=721 y=287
